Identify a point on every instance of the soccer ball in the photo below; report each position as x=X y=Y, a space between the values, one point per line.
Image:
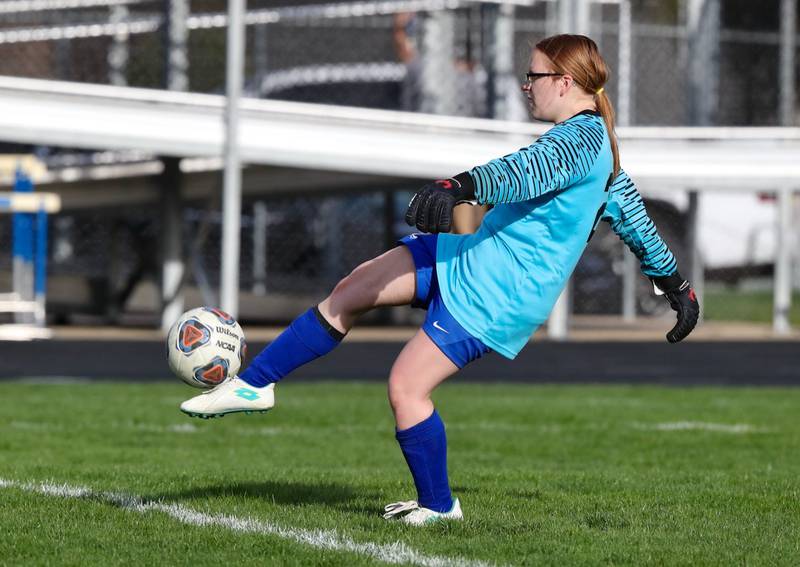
x=205 y=347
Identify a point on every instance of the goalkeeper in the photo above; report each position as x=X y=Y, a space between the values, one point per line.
x=489 y=290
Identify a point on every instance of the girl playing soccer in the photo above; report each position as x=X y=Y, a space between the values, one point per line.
x=489 y=290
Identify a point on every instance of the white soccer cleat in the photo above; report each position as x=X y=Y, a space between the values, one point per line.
x=418 y=516
x=232 y=396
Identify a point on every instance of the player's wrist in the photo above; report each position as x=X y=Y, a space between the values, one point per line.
x=682 y=299
x=672 y=283
x=466 y=187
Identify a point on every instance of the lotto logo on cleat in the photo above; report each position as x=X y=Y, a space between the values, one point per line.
x=247 y=394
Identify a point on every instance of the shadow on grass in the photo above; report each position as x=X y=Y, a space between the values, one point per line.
x=278 y=492
x=342 y=497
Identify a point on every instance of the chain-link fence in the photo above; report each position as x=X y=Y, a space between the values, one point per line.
x=297 y=248
x=456 y=58
x=106 y=263
x=379 y=54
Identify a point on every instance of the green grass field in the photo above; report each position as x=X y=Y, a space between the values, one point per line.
x=548 y=475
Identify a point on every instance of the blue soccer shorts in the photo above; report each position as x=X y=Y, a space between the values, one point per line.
x=440 y=326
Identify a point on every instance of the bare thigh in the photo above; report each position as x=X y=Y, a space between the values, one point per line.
x=420 y=367
x=389 y=279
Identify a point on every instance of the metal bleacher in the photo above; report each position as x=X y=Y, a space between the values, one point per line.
x=367 y=141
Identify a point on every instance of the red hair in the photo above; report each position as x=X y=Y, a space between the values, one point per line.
x=577 y=56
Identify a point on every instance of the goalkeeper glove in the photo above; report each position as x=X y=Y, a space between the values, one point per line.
x=683 y=300
x=431 y=208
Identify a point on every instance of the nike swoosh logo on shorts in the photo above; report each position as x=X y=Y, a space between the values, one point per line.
x=436 y=325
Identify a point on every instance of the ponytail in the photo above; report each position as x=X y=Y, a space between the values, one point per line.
x=606 y=110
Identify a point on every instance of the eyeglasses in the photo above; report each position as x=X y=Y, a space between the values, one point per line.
x=530 y=76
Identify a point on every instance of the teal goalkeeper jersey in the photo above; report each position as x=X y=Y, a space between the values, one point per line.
x=501 y=282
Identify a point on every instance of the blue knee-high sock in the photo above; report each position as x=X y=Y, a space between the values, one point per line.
x=425 y=449
x=308 y=337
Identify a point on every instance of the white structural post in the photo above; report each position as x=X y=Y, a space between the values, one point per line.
x=788 y=101
x=703 y=21
x=503 y=62
x=172 y=266
x=232 y=189
x=119 y=50
x=625 y=52
x=573 y=17
x=176 y=66
x=582 y=17
x=566 y=16
x=783 y=264
x=624 y=39
x=438 y=74
x=788 y=75
x=696 y=269
x=629 y=268
x=260 y=247
x=704 y=29
x=558 y=322
x=177 y=36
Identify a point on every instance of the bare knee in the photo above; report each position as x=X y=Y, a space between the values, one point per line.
x=403 y=393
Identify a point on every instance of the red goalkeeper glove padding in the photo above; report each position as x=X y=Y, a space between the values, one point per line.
x=431 y=208
x=683 y=300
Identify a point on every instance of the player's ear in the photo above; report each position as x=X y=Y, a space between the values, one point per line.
x=566 y=82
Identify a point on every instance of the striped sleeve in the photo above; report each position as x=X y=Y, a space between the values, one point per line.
x=626 y=214
x=557 y=160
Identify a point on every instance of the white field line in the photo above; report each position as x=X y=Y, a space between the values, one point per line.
x=172 y=428
x=30 y=425
x=393 y=553
x=735 y=428
x=190 y=428
x=341 y=428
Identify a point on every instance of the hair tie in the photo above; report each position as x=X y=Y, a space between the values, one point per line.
x=598 y=91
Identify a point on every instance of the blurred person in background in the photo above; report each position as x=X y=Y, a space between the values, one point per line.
x=466 y=98
x=486 y=291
